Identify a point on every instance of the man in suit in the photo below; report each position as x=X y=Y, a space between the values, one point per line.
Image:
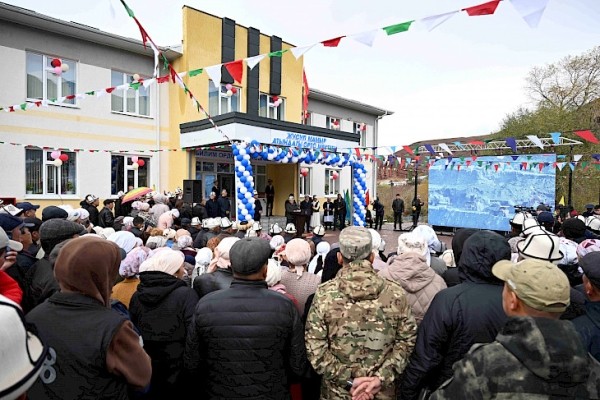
x=270 y=193
x=398 y=207
x=306 y=208
x=339 y=205
x=257 y=207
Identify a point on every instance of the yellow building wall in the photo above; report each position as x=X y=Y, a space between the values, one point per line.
x=285 y=180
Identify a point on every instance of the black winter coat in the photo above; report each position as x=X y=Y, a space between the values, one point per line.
x=162 y=309
x=460 y=316
x=212 y=208
x=246 y=342
x=106 y=219
x=92 y=210
x=207 y=283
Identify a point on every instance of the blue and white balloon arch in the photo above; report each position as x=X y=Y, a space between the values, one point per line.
x=248 y=150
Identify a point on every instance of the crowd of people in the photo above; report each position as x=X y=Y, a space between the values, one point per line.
x=141 y=305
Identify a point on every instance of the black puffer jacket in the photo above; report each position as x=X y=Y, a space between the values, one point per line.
x=162 y=309
x=460 y=316
x=92 y=210
x=207 y=283
x=246 y=342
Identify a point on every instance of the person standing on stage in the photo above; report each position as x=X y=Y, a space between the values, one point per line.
x=315 y=220
x=270 y=193
x=257 y=207
x=416 y=210
x=328 y=211
x=398 y=207
x=339 y=206
x=215 y=189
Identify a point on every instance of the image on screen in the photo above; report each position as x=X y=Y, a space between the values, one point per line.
x=480 y=197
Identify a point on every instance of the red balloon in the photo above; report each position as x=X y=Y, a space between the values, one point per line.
x=56 y=62
x=141 y=162
x=336 y=122
x=275 y=98
x=304 y=174
x=234 y=90
x=63 y=157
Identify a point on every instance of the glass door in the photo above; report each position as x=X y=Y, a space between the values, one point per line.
x=209 y=181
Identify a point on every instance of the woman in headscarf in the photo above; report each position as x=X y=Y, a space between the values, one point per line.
x=410 y=270
x=160 y=207
x=219 y=274
x=162 y=308
x=125 y=240
x=273 y=280
x=298 y=282
x=317 y=263
x=203 y=258
x=435 y=247
x=378 y=263
x=315 y=219
x=106 y=233
x=129 y=270
x=184 y=244
x=128 y=223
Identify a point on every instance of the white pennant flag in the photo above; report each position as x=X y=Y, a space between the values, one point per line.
x=577 y=157
x=434 y=21
x=366 y=38
x=530 y=10
x=445 y=147
x=156 y=53
x=80 y=96
x=300 y=51
x=30 y=106
x=100 y=93
x=44 y=103
x=561 y=165
x=536 y=140
x=214 y=72
x=123 y=87
x=61 y=100
x=253 y=61
x=148 y=82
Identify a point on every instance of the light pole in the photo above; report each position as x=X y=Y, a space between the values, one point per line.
x=569 y=201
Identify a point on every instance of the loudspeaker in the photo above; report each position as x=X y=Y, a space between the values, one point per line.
x=192 y=191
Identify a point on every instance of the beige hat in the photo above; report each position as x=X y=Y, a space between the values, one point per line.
x=195 y=221
x=290 y=228
x=519 y=218
x=355 y=243
x=319 y=230
x=275 y=229
x=539 y=284
x=541 y=245
x=530 y=225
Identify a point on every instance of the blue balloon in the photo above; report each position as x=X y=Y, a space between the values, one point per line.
x=245 y=200
x=249 y=206
x=245 y=163
x=248 y=184
x=243 y=179
x=240 y=195
x=236 y=152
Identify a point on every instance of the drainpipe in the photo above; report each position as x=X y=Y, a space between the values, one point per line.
x=157 y=132
x=375 y=144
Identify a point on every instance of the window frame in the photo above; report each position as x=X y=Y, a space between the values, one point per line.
x=305 y=182
x=45 y=70
x=57 y=172
x=329 y=120
x=329 y=181
x=125 y=76
x=363 y=134
x=129 y=167
x=277 y=113
x=223 y=94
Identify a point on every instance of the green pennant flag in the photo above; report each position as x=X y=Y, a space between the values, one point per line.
x=23 y=106
x=185 y=88
x=165 y=61
x=135 y=85
x=451 y=167
x=486 y=141
x=198 y=106
x=487 y=167
x=597 y=166
x=195 y=72
x=584 y=164
x=529 y=157
x=52 y=100
x=416 y=150
x=129 y=10
x=462 y=159
x=398 y=28
x=480 y=163
x=277 y=53
x=90 y=93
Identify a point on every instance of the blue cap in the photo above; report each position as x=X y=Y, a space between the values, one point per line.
x=9 y=222
x=26 y=206
x=545 y=217
x=586 y=206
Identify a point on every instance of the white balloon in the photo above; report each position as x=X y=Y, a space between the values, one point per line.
x=246 y=173
x=248 y=195
x=243 y=152
x=250 y=178
x=243 y=190
x=244 y=211
x=294 y=160
x=241 y=168
x=246 y=157
x=58 y=162
x=284 y=160
x=251 y=200
x=270 y=156
x=248 y=217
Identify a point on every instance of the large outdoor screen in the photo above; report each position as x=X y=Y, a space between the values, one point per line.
x=482 y=196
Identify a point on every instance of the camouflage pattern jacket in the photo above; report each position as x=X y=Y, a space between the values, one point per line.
x=360 y=324
x=532 y=358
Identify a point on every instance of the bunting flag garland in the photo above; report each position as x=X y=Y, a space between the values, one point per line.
x=482 y=9
x=398 y=28
x=434 y=21
x=236 y=70
x=556 y=137
x=367 y=38
x=214 y=73
x=536 y=140
x=332 y=42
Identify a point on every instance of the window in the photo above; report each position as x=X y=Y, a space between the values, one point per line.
x=305 y=187
x=361 y=130
x=123 y=175
x=43 y=177
x=128 y=101
x=260 y=178
x=44 y=84
x=218 y=101
x=332 y=186
x=333 y=123
x=268 y=109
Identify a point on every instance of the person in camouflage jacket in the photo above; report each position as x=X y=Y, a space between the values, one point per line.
x=360 y=329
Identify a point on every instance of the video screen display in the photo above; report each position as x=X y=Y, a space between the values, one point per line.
x=484 y=196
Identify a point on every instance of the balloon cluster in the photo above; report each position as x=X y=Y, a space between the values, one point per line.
x=360 y=189
x=336 y=124
x=304 y=172
x=231 y=90
x=58 y=158
x=137 y=162
x=335 y=175
x=244 y=181
x=58 y=66
x=276 y=101
x=294 y=155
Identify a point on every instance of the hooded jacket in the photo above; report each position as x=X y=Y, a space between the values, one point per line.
x=219 y=279
x=460 y=316
x=588 y=327
x=162 y=309
x=419 y=281
x=359 y=324
x=531 y=358
x=95 y=353
x=458 y=241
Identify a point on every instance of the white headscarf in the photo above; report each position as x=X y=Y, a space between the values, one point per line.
x=276 y=241
x=130 y=266
x=184 y=242
x=322 y=249
x=273 y=273
x=155 y=242
x=221 y=259
x=203 y=257
x=128 y=222
x=107 y=232
x=125 y=240
x=167 y=261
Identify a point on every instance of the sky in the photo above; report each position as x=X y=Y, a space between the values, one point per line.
x=460 y=79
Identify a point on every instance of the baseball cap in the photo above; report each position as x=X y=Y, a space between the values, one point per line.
x=541 y=245
x=545 y=217
x=586 y=206
x=53 y=212
x=9 y=222
x=539 y=284
x=26 y=206
x=22 y=349
x=186 y=221
x=10 y=209
x=542 y=207
x=355 y=243
x=6 y=242
x=249 y=255
x=590 y=264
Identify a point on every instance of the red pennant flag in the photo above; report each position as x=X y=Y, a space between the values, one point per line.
x=476 y=143
x=458 y=167
x=541 y=166
x=163 y=79
x=468 y=163
x=587 y=135
x=110 y=90
x=474 y=158
x=524 y=164
x=38 y=103
x=70 y=97
x=11 y=109
x=172 y=72
x=357 y=150
x=305 y=94
x=332 y=42
x=145 y=37
x=408 y=149
x=236 y=69
x=496 y=167
x=482 y=9
x=554 y=164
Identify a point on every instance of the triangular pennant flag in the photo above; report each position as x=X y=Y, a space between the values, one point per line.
x=482 y=9
x=596 y=157
x=587 y=135
x=366 y=38
x=434 y=21
x=496 y=167
x=572 y=166
x=450 y=159
x=214 y=72
x=562 y=201
x=561 y=166
x=253 y=61
x=541 y=166
x=393 y=149
x=515 y=158
x=524 y=164
x=584 y=165
x=278 y=53
x=430 y=149
x=398 y=28
x=445 y=147
x=300 y=51
x=408 y=150
x=512 y=143
x=100 y=93
x=458 y=167
x=577 y=157
x=333 y=42
x=479 y=163
x=530 y=10
x=195 y=72
x=474 y=158
x=556 y=137
x=476 y=143
x=459 y=144
x=536 y=140
x=235 y=69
